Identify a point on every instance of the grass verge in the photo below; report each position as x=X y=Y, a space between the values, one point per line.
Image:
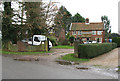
x=71 y=57
x=24 y=53
x=118 y=68
x=64 y=47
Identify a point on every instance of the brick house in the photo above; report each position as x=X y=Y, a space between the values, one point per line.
x=88 y=31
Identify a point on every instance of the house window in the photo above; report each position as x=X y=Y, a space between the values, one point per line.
x=79 y=33
x=99 y=32
x=93 y=32
x=74 y=33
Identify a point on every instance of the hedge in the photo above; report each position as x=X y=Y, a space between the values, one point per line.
x=93 y=50
x=116 y=40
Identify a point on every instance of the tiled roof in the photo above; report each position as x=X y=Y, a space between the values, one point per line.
x=83 y=26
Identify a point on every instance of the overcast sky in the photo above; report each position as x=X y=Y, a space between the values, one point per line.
x=94 y=9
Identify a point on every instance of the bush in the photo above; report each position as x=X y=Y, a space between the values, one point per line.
x=67 y=36
x=116 y=40
x=65 y=42
x=71 y=39
x=53 y=41
x=93 y=50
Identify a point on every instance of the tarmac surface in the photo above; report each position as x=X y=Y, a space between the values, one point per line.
x=47 y=69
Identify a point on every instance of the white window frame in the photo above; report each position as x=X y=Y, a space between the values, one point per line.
x=99 y=32
x=79 y=32
x=93 y=32
x=74 y=33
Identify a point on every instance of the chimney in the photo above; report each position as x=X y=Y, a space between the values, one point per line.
x=87 y=21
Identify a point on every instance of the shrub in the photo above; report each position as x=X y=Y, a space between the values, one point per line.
x=67 y=36
x=93 y=50
x=116 y=40
x=71 y=39
x=65 y=42
x=53 y=41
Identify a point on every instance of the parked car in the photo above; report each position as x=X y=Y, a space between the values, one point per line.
x=37 y=40
x=87 y=42
x=94 y=41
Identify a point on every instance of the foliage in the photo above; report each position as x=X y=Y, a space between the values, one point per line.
x=62 y=20
x=9 y=32
x=35 y=18
x=114 y=35
x=78 y=18
x=71 y=39
x=93 y=50
x=68 y=35
x=64 y=47
x=116 y=40
x=64 y=42
x=50 y=12
x=71 y=57
x=53 y=41
x=107 y=26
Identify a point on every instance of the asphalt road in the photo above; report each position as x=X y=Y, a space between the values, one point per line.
x=12 y=69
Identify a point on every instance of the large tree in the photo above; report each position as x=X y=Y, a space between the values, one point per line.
x=35 y=18
x=78 y=18
x=8 y=30
x=19 y=19
x=50 y=12
x=62 y=20
x=107 y=26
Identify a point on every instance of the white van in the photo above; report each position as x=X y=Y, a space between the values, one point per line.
x=37 y=40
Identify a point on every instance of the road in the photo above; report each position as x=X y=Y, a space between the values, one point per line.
x=12 y=69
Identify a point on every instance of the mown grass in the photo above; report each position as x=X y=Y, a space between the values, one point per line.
x=71 y=57
x=64 y=47
x=23 y=53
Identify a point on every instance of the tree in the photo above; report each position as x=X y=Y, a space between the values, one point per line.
x=78 y=18
x=71 y=39
x=19 y=19
x=114 y=35
x=62 y=20
x=68 y=35
x=35 y=18
x=107 y=26
x=8 y=30
x=50 y=12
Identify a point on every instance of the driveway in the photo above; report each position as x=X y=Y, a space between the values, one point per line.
x=46 y=68
x=109 y=59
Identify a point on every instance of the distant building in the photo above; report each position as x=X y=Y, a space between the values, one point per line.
x=60 y=34
x=87 y=31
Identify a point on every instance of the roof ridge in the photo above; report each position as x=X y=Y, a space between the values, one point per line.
x=90 y=23
x=78 y=23
x=96 y=23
